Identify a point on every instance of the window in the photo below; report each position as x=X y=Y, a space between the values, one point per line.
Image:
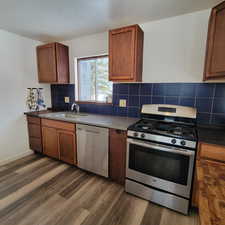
x=92 y=80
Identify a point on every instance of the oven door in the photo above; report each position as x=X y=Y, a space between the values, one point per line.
x=160 y=166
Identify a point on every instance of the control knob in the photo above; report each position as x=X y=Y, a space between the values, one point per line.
x=183 y=142
x=135 y=134
x=173 y=141
x=143 y=135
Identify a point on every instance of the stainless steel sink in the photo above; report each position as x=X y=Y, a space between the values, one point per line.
x=69 y=115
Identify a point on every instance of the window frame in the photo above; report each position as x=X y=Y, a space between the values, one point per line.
x=77 y=80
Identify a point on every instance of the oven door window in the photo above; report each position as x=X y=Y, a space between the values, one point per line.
x=160 y=164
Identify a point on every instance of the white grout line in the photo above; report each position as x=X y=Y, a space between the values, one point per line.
x=211 y=111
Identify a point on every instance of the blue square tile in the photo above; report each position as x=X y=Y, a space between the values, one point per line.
x=159 y=89
x=204 y=105
x=121 y=111
x=115 y=99
x=133 y=112
x=220 y=90
x=83 y=108
x=114 y=110
x=218 y=119
x=115 y=89
x=134 y=89
x=219 y=105
x=145 y=100
x=187 y=102
x=172 y=89
x=157 y=100
x=145 y=89
x=134 y=101
x=172 y=100
x=92 y=108
x=106 y=109
x=203 y=118
x=205 y=90
x=123 y=89
x=188 y=90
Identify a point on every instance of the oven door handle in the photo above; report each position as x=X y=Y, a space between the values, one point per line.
x=161 y=147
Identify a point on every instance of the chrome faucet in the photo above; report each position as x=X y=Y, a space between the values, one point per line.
x=75 y=106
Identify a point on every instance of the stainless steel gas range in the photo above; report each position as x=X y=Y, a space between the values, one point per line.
x=161 y=149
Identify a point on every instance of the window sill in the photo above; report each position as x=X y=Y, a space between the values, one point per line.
x=97 y=103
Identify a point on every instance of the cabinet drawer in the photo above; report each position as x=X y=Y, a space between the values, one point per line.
x=34 y=130
x=210 y=151
x=34 y=120
x=35 y=144
x=58 y=125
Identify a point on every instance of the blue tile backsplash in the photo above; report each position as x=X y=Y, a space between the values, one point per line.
x=58 y=92
x=208 y=98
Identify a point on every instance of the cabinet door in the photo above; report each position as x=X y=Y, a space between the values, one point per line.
x=215 y=52
x=62 y=58
x=195 y=193
x=117 y=155
x=46 y=59
x=122 y=53
x=67 y=146
x=50 y=142
x=34 y=132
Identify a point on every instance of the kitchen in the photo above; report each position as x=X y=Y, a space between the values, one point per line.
x=123 y=124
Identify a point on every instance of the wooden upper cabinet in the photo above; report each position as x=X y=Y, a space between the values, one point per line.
x=53 y=63
x=215 y=50
x=126 y=54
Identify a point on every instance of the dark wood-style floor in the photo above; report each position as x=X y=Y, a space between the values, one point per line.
x=37 y=190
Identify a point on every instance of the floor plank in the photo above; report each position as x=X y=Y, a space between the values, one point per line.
x=41 y=191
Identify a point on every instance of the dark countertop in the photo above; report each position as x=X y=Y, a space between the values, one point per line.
x=108 y=121
x=206 y=133
x=211 y=134
x=37 y=113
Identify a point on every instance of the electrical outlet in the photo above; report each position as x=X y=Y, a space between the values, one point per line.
x=123 y=103
x=67 y=99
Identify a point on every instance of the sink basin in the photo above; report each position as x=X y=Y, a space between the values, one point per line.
x=70 y=115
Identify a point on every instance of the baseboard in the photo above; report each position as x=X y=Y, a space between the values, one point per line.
x=21 y=155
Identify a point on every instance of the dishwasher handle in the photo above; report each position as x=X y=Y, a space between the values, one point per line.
x=89 y=131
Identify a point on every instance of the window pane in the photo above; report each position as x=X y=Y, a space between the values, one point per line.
x=93 y=84
x=86 y=72
x=103 y=85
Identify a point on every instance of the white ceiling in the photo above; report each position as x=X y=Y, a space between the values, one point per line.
x=52 y=20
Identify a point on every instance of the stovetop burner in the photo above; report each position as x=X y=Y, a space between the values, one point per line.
x=165 y=128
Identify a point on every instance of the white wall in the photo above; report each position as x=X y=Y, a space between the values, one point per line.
x=174 y=48
x=17 y=72
x=96 y=44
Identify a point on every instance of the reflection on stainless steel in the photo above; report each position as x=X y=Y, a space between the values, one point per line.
x=162 y=198
x=161 y=149
x=182 y=190
x=92 y=149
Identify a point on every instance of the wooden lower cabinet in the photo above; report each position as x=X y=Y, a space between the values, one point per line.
x=50 y=142
x=59 y=140
x=210 y=152
x=117 y=155
x=195 y=193
x=67 y=146
x=34 y=133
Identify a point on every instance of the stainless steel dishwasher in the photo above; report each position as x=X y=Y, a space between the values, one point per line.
x=92 y=149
